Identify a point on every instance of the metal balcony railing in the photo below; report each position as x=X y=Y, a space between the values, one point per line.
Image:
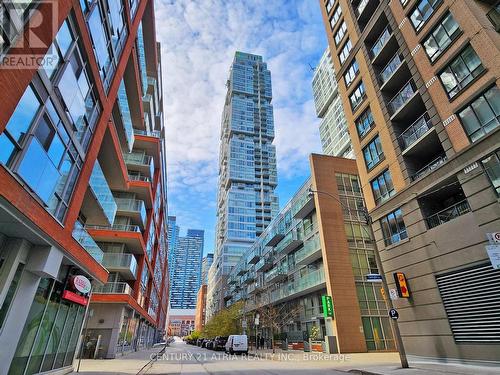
x=390 y=68
x=87 y=242
x=449 y=213
x=113 y=288
x=400 y=99
x=415 y=131
x=380 y=42
x=429 y=167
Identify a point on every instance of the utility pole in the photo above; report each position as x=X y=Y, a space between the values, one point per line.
x=388 y=301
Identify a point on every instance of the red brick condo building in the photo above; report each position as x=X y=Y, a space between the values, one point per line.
x=82 y=182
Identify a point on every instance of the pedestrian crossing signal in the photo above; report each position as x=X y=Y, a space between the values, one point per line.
x=401 y=285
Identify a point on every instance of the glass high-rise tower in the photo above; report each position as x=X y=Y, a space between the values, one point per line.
x=247 y=169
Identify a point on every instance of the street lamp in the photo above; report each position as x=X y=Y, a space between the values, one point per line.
x=388 y=301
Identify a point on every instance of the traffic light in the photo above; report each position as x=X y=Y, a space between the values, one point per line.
x=401 y=285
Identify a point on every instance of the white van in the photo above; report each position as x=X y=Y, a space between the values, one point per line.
x=237 y=344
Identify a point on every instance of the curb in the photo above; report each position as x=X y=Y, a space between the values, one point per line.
x=362 y=372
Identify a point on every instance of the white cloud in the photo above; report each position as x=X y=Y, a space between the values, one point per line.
x=199 y=39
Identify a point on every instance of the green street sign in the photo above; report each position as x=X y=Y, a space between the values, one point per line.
x=327 y=306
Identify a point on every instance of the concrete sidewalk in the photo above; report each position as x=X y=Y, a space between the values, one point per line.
x=128 y=364
x=376 y=363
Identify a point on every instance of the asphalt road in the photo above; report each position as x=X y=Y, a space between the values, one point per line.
x=181 y=358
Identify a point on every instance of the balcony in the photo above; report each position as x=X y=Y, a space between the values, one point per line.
x=306 y=284
x=139 y=162
x=248 y=278
x=87 y=242
x=254 y=256
x=415 y=131
x=434 y=164
x=304 y=206
x=264 y=264
x=275 y=275
x=148 y=133
x=130 y=235
x=393 y=73
x=447 y=214
x=274 y=238
x=364 y=11
x=380 y=43
x=241 y=271
x=402 y=99
x=231 y=280
x=310 y=252
x=99 y=206
x=227 y=295
x=289 y=243
x=113 y=288
x=133 y=208
x=125 y=264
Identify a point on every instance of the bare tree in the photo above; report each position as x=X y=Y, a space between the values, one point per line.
x=276 y=316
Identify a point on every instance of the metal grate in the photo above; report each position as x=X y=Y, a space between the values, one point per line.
x=471 y=299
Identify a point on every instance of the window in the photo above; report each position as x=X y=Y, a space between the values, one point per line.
x=482 y=115
x=461 y=71
x=9 y=297
x=351 y=73
x=358 y=96
x=373 y=153
x=364 y=122
x=403 y=2
x=335 y=16
x=494 y=16
x=393 y=227
x=329 y=5
x=382 y=187
x=441 y=37
x=339 y=35
x=422 y=12
x=344 y=53
x=491 y=167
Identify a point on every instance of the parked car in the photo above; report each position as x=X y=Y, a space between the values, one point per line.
x=198 y=342
x=210 y=344
x=204 y=343
x=237 y=344
x=220 y=343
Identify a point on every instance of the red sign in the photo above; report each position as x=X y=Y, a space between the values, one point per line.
x=80 y=284
x=73 y=297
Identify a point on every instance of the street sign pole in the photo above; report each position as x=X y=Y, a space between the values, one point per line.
x=397 y=335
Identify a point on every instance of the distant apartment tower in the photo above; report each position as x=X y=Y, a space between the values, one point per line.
x=186 y=277
x=247 y=169
x=205 y=266
x=420 y=84
x=173 y=238
x=82 y=183
x=333 y=132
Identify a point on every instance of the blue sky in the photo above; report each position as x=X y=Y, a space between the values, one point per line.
x=199 y=39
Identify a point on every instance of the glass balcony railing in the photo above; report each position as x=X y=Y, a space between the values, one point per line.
x=390 y=68
x=114 y=261
x=429 y=167
x=87 y=242
x=116 y=227
x=139 y=177
x=140 y=160
x=125 y=115
x=290 y=237
x=311 y=246
x=132 y=205
x=380 y=42
x=148 y=133
x=100 y=188
x=264 y=263
x=113 y=288
x=415 y=131
x=275 y=273
x=402 y=97
x=449 y=213
x=361 y=7
x=300 y=284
